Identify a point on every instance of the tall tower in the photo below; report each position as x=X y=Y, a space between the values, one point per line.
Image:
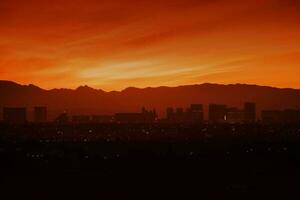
x=195 y=113
x=40 y=114
x=170 y=113
x=250 y=112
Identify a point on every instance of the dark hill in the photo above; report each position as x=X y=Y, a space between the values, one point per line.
x=87 y=100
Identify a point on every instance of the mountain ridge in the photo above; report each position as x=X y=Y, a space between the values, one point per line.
x=87 y=100
x=7 y=82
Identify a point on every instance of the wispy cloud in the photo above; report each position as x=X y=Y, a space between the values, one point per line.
x=116 y=43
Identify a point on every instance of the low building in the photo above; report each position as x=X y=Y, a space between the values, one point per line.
x=142 y=117
x=62 y=118
x=281 y=116
x=82 y=119
x=193 y=114
x=234 y=116
x=102 y=118
x=15 y=115
x=271 y=116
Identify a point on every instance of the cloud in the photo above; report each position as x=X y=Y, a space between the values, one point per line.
x=104 y=42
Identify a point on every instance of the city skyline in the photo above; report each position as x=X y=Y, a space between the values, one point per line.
x=86 y=100
x=194 y=114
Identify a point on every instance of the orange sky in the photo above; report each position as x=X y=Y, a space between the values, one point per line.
x=119 y=43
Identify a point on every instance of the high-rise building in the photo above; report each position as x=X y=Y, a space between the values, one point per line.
x=195 y=113
x=217 y=113
x=196 y=107
x=40 y=114
x=250 y=112
x=179 y=115
x=15 y=115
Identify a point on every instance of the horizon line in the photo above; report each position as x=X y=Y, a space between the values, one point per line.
x=149 y=87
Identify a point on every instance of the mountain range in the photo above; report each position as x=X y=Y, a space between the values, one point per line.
x=87 y=100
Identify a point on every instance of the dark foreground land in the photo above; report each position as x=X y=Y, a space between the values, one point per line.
x=50 y=161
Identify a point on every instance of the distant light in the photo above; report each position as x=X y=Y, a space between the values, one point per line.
x=269 y=149
x=285 y=149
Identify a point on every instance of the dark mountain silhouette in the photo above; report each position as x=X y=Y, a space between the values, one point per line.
x=86 y=100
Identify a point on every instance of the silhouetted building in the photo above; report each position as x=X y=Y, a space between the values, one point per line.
x=15 y=115
x=234 y=115
x=249 y=112
x=143 y=117
x=281 y=116
x=129 y=117
x=271 y=116
x=193 y=114
x=170 y=113
x=62 y=118
x=196 y=107
x=149 y=116
x=102 y=118
x=217 y=113
x=291 y=116
x=82 y=119
x=40 y=114
x=179 y=111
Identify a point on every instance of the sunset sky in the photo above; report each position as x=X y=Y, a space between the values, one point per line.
x=119 y=43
